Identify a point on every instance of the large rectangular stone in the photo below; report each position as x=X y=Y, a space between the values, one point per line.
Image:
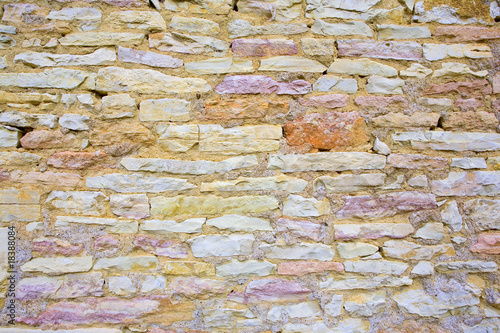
x=136 y=183
x=19 y=196
x=38 y=59
x=363 y=282
x=433 y=52
x=222 y=245
x=60 y=78
x=484 y=214
x=412 y=251
x=190 y=44
x=417 y=162
x=349 y=183
x=454 y=33
x=376 y=267
x=78 y=202
x=101 y=38
x=19 y=213
x=300 y=251
x=263 y=47
x=242 y=28
x=380 y=49
x=58 y=265
x=278 y=183
x=372 y=230
x=454 y=141
x=468 y=184
x=111 y=225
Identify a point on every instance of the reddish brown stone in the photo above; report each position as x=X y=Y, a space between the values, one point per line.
x=470 y=121
x=48 y=139
x=263 y=47
x=471 y=104
x=106 y=242
x=46 y=178
x=331 y=130
x=466 y=89
x=165 y=248
x=261 y=84
x=466 y=33
x=417 y=162
x=300 y=268
x=75 y=160
x=301 y=228
x=327 y=101
x=51 y=245
x=381 y=101
x=238 y=108
x=487 y=243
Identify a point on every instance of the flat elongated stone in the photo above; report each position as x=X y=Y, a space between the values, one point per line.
x=165 y=109
x=194 y=25
x=487 y=243
x=483 y=213
x=152 y=59
x=381 y=102
x=132 y=206
x=376 y=266
x=188 y=268
x=244 y=268
x=302 y=251
x=331 y=101
x=412 y=251
x=295 y=205
x=301 y=268
x=363 y=282
x=300 y=310
x=349 y=28
x=237 y=223
x=198 y=167
x=127 y=263
x=46 y=178
x=300 y=228
x=373 y=230
x=472 y=266
x=101 y=38
x=465 y=88
x=189 y=226
x=219 y=66
x=453 y=69
x=241 y=108
x=188 y=44
x=454 y=141
x=70 y=14
x=160 y=247
x=355 y=250
x=275 y=290
x=78 y=202
x=263 y=47
x=260 y=84
x=380 y=50
x=279 y=183
x=222 y=245
x=433 y=52
x=242 y=28
x=51 y=78
x=75 y=160
x=194 y=287
x=111 y=225
x=149 y=21
x=466 y=33
x=381 y=85
x=138 y=183
x=470 y=121
x=321 y=47
x=326 y=161
x=391 y=31
x=52 y=245
x=143 y=81
x=345 y=325
x=383 y=205
x=417 y=162
x=20 y=213
x=468 y=184
x=400 y=120
x=36 y=59
x=41 y=139
x=15 y=158
x=58 y=265
x=349 y=183
x=291 y=64
x=362 y=67
x=331 y=83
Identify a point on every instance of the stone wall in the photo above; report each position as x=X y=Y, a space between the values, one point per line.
x=258 y=166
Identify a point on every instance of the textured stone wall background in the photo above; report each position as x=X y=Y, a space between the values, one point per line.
x=258 y=166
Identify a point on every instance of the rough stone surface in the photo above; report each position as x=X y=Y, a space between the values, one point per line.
x=380 y=50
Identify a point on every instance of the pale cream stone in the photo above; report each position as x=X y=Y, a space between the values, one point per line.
x=300 y=251
x=165 y=109
x=149 y=21
x=295 y=205
x=392 y=31
x=349 y=28
x=219 y=66
x=363 y=282
x=300 y=310
x=362 y=67
x=101 y=39
x=416 y=70
x=366 y=304
x=38 y=59
x=194 y=25
x=376 y=267
x=453 y=69
x=237 y=223
x=291 y=64
x=435 y=52
x=244 y=268
x=127 y=263
x=222 y=245
x=58 y=265
x=111 y=225
x=407 y=250
x=188 y=226
x=355 y=250
x=121 y=285
x=277 y=183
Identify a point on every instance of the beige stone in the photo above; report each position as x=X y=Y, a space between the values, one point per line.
x=101 y=39
x=219 y=66
x=291 y=64
x=165 y=109
x=149 y=21
x=127 y=263
x=58 y=265
x=278 y=183
x=194 y=25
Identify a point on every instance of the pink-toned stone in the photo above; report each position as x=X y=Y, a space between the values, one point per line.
x=194 y=287
x=37 y=288
x=496 y=83
x=380 y=50
x=331 y=101
x=470 y=121
x=273 y=290
x=48 y=139
x=239 y=108
x=263 y=47
x=46 y=178
x=382 y=102
x=466 y=89
x=300 y=268
x=4 y=175
x=487 y=243
x=76 y=160
x=385 y=205
x=331 y=130
x=301 y=228
x=106 y=242
x=164 y=248
x=466 y=33
x=471 y=104
x=52 y=245
x=24 y=13
x=417 y=162
x=261 y=84
x=495 y=104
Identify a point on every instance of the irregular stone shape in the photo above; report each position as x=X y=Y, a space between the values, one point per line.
x=59 y=78
x=220 y=66
x=457 y=13
x=381 y=148
x=143 y=81
x=319 y=47
x=58 y=265
x=468 y=184
x=222 y=245
x=295 y=205
x=470 y=121
x=466 y=33
x=118 y=106
x=23 y=119
x=376 y=267
x=78 y=202
x=331 y=83
x=327 y=101
x=431 y=231
x=14 y=158
x=326 y=162
x=41 y=139
x=46 y=178
x=423 y=268
x=132 y=206
x=101 y=38
x=188 y=268
x=24 y=213
x=472 y=266
x=37 y=60
x=106 y=242
x=188 y=226
x=242 y=28
x=469 y=163
x=355 y=250
x=111 y=225
x=127 y=263
x=362 y=67
x=465 y=89
x=331 y=130
x=320 y=9
x=454 y=141
x=487 y=243
x=206 y=7
x=75 y=160
x=274 y=290
x=260 y=84
x=19 y=196
x=418 y=302
x=71 y=14
x=381 y=85
x=471 y=104
x=334 y=307
x=319 y=252
x=138 y=183
x=149 y=21
x=198 y=167
x=301 y=228
x=436 y=104
x=308 y=310
x=153 y=283
x=279 y=183
x=452 y=69
x=237 y=268
x=164 y=248
x=75 y=122
x=152 y=59
x=291 y=64
x=194 y=25
x=433 y=52
x=363 y=282
x=384 y=205
x=345 y=325
x=165 y=109
x=349 y=183
x=411 y=251
x=391 y=31
x=416 y=70
x=381 y=102
x=380 y=49
x=350 y=28
x=417 y=162
x=280 y=10
x=9 y=136
x=237 y=223
x=263 y=47
x=483 y=213
x=194 y=287
x=484 y=326
x=399 y=120
x=188 y=44
x=50 y=245
x=120 y=285
x=373 y=230
x=300 y=268
x=365 y=305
